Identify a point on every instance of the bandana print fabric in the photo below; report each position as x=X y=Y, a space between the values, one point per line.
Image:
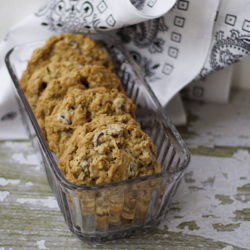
x=173 y=42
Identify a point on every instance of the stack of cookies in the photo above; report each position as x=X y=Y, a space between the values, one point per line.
x=84 y=113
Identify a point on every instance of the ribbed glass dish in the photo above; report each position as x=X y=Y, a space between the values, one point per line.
x=115 y=210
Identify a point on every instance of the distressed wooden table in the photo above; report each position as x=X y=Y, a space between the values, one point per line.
x=210 y=210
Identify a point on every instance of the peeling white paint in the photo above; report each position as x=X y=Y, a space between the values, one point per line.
x=195 y=206
x=30 y=159
x=17 y=145
x=29 y=184
x=3 y=195
x=227 y=248
x=49 y=202
x=5 y=182
x=221 y=124
x=242 y=155
x=41 y=244
x=38 y=167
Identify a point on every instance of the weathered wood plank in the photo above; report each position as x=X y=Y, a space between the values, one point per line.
x=29 y=213
x=219 y=124
x=209 y=211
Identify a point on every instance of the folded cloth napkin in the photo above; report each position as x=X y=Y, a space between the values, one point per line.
x=173 y=42
x=230 y=43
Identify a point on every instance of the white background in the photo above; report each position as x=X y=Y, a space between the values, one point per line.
x=13 y=11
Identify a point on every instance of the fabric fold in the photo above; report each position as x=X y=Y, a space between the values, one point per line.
x=173 y=42
x=96 y=15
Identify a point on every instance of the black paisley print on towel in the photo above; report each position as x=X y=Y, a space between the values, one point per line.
x=144 y=35
x=227 y=51
x=139 y=4
x=70 y=16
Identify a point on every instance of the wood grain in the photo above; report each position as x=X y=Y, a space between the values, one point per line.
x=209 y=211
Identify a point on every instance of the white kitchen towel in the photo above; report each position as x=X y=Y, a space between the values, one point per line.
x=64 y=16
x=172 y=49
x=169 y=40
x=213 y=88
x=99 y=15
x=230 y=44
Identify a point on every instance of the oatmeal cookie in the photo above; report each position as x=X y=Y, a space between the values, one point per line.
x=67 y=47
x=98 y=76
x=41 y=78
x=82 y=106
x=87 y=77
x=110 y=153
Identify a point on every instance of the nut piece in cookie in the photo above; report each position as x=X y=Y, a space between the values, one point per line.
x=82 y=106
x=110 y=153
x=67 y=47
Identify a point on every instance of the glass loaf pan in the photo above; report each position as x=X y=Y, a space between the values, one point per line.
x=115 y=210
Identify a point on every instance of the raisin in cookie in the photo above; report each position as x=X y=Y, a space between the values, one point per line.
x=67 y=47
x=87 y=77
x=110 y=153
x=41 y=78
x=81 y=106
